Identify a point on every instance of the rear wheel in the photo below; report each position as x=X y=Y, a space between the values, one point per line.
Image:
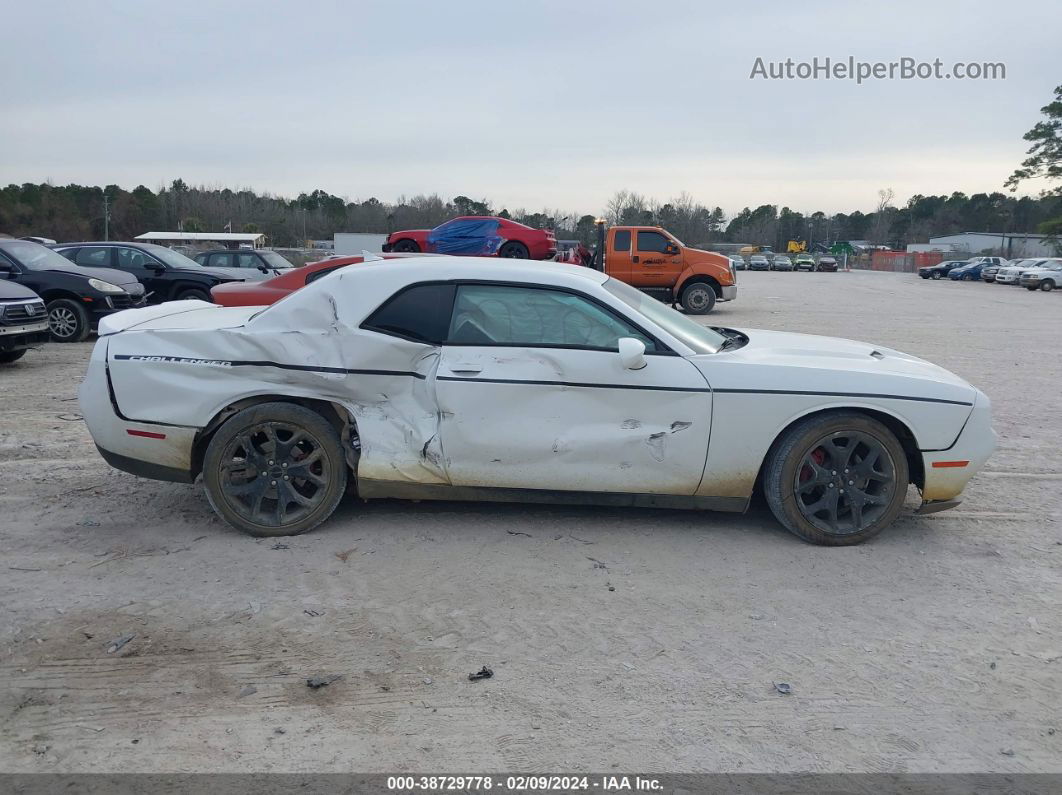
x=514 y=250
x=274 y=470
x=1047 y=285
x=6 y=357
x=836 y=479
x=406 y=247
x=698 y=298
x=68 y=320
x=194 y=294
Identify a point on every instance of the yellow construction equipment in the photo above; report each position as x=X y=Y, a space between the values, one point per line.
x=796 y=247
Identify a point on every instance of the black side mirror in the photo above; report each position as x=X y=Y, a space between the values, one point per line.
x=671 y=248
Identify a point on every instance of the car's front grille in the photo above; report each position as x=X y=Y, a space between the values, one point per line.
x=20 y=312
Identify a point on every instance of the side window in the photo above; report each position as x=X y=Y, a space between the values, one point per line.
x=622 y=240
x=246 y=261
x=311 y=278
x=652 y=241
x=129 y=258
x=532 y=316
x=94 y=257
x=69 y=253
x=420 y=313
x=221 y=260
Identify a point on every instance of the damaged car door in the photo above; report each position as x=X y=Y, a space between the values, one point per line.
x=534 y=393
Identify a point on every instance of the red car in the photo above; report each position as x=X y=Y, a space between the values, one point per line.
x=270 y=291
x=477 y=236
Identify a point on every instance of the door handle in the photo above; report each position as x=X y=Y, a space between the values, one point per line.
x=469 y=368
x=634 y=258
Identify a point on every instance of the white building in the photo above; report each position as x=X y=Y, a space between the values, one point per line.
x=349 y=244
x=1012 y=245
x=226 y=239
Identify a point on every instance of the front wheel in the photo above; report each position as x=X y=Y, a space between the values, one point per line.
x=406 y=247
x=513 y=250
x=194 y=294
x=966 y=277
x=836 y=479
x=937 y=274
x=1047 y=285
x=67 y=320
x=698 y=298
x=276 y=469
x=7 y=357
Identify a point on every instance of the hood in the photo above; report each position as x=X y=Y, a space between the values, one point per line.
x=112 y=275
x=805 y=362
x=230 y=274
x=12 y=291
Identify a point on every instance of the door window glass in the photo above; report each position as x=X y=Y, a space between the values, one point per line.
x=421 y=313
x=652 y=241
x=130 y=258
x=221 y=260
x=94 y=257
x=531 y=316
x=623 y=240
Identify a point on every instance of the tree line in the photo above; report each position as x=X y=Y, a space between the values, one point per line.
x=77 y=212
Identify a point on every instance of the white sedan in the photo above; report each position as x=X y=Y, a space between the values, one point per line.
x=460 y=378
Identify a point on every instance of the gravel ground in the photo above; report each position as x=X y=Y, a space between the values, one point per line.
x=619 y=639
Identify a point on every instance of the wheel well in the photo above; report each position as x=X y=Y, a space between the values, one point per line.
x=700 y=277
x=183 y=287
x=916 y=472
x=336 y=415
x=54 y=295
x=406 y=240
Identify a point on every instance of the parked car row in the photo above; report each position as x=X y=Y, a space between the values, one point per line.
x=782 y=262
x=1035 y=273
x=75 y=285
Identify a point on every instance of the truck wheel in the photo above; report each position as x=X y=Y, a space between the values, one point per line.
x=698 y=298
x=68 y=320
x=406 y=247
x=11 y=356
x=1047 y=285
x=513 y=250
x=275 y=469
x=836 y=479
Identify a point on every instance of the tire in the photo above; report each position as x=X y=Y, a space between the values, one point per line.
x=68 y=320
x=1047 y=285
x=797 y=479
x=966 y=277
x=514 y=250
x=697 y=298
x=406 y=246
x=194 y=293
x=246 y=445
x=936 y=275
x=7 y=357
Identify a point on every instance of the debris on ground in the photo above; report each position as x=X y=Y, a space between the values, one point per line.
x=88 y=523
x=312 y=613
x=611 y=587
x=248 y=690
x=279 y=545
x=427 y=680
x=482 y=673
x=784 y=688
x=279 y=730
x=346 y=553
x=1007 y=751
x=118 y=642
x=597 y=563
x=517 y=533
x=315 y=682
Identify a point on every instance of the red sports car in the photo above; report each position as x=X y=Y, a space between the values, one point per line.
x=270 y=291
x=477 y=236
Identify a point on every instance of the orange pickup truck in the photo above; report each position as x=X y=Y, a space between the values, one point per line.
x=656 y=262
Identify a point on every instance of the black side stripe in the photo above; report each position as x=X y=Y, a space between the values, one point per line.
x=522 y=381
x=306 y=368
x=841 y=394
x=528 y=382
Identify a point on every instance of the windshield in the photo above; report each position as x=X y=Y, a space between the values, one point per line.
x=700 y=338
x=172 y=258
x=274 y=260
x=35 y=257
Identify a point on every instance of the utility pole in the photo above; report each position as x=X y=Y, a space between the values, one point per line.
x=106 y=217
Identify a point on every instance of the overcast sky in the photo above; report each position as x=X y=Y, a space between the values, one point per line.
x=549 y=104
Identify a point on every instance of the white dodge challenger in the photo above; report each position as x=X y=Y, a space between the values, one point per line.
x=468 y=379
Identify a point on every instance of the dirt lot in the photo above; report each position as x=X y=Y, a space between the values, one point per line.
x=937 y=647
